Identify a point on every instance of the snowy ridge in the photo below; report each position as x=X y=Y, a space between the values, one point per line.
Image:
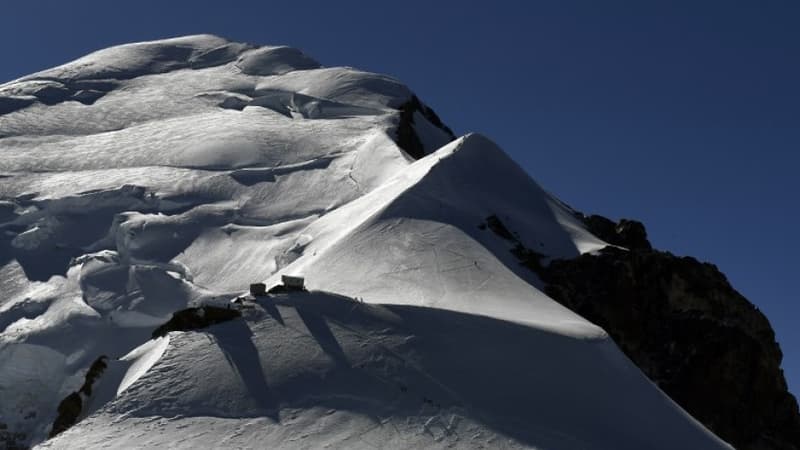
x=419 y=235
x=147 y=178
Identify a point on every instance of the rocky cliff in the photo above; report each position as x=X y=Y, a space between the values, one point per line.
x=688 y=329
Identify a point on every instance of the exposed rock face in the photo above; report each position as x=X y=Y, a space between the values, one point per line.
x=407 y=138
x=70 y=409
x=196 y=318
x=627 y=233
x=685 y=326
x=11 y=440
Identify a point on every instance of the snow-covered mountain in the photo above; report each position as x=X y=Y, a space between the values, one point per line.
x=145 y=179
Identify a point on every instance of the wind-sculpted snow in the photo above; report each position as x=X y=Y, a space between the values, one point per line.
x=274 y=61
x=133 y=60
x=149 y=178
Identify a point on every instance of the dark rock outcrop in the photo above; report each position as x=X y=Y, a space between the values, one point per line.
x=499 y=228
x=196 y=318
x=626 y=233
x=407 y=138
x=70 y=409
x=12 y=440
x=685 y=326
x=527 y=257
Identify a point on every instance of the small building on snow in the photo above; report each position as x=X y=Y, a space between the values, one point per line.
x=258 y=289
x=293 y=283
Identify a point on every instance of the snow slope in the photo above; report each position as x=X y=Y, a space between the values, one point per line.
x=419 y=234
x=146 y=178
x=314 y=370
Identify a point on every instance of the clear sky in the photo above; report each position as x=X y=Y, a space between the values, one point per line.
x=684 y=115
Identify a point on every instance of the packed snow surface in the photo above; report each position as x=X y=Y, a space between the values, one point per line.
x=147 y=178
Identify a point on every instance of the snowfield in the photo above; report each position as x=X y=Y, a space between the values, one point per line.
x=147 y=178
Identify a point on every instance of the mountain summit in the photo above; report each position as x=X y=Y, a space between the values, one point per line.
x=145 y=187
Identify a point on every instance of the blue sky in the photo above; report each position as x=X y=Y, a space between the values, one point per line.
x=684 y=115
